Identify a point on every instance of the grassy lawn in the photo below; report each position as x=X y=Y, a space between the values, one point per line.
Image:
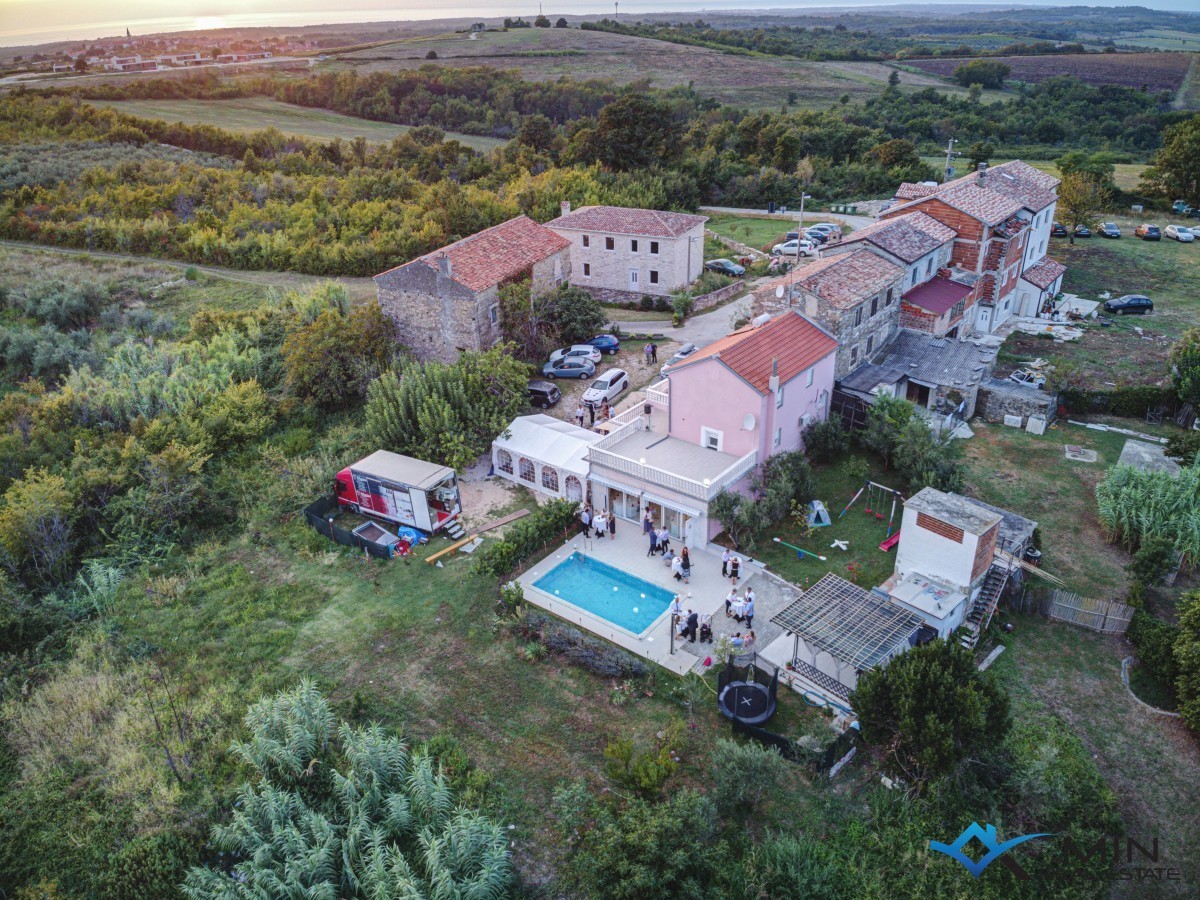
x=1106 y=356
x=863 y=532
x=762 y=232
x=1150 y=762
x=246 y=114
x=1030 y=474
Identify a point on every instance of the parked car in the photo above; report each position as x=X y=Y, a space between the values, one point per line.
x=1130 y=304
x=543 y=394
x=680 y=355
x=1181 y=208
x=1181 y=233
x=829 y=228
x=725 y=267
x=794 y=248
x=1109 y=230
x=607 y=387
x=580 y=351
x=570 y=368
x=1148 y=232
x=606 y=343
x=1058 y=229
x=1082 y=231
x=816 y=236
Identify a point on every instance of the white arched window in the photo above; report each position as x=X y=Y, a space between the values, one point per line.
x=550 y=479
x=525 y=471
x=504 y=461
x=574 y=488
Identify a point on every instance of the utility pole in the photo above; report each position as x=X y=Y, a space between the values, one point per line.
x=950 y=154
x=803 y=197
x=616 y=10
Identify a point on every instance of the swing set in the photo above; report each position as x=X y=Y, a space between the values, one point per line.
x=878 y=496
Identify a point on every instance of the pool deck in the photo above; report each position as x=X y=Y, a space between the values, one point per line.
x=628 y=552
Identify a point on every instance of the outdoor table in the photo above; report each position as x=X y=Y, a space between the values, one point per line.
x=738 y=608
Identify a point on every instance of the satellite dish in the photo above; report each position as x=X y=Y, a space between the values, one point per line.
x=749 y=422
x=779 y=292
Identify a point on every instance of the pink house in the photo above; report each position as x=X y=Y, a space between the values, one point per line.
x=756 y=389
x=720 y=413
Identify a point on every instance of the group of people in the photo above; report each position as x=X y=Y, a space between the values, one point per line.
x=651 y=354
x=692 y=626
x=731 y=567
x=603 y=412
x=740 y=608
x=601 y=521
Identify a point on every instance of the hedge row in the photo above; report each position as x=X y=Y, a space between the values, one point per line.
x=525 y=537
x=1130 y=402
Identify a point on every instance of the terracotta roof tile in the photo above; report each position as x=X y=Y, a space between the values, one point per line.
x=1044 y=273
x=907 y=237
x=910 y=191
x=795 y=342
x=492 y=256
x=847 y=279
x=989 y=206
x=628 y=220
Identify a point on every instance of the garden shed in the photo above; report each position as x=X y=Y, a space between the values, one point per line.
x=544 y=454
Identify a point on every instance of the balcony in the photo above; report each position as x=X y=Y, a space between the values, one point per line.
x=640 y=452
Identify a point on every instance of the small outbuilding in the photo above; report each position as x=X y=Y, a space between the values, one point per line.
x=545 y=454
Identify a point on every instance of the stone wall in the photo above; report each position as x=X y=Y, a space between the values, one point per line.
x=1000 y=397
x=853 y=339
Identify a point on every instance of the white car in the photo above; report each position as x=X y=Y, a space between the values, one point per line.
x=607 y=387
x=794 y=248
x=577 y=351
x=1181 y=233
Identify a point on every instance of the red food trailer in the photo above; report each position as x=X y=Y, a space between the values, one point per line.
x=400 y=489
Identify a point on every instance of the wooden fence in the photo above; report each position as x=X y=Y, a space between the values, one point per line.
x=1099 y=615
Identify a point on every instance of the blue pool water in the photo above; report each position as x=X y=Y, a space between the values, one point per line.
x=606 y=592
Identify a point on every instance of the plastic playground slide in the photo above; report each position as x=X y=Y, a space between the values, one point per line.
x=891 y=542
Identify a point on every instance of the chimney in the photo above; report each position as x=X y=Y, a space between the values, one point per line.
x=773 y=384
x=982 y=172
x=445 y=274
x=565 y=206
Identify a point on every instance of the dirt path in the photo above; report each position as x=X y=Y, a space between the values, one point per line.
x=360 y=289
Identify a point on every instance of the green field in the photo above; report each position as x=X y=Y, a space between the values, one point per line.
x=248 y=114
x=546 y=54
x=762 y=232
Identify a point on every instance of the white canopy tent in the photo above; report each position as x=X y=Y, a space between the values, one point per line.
x=544 y=454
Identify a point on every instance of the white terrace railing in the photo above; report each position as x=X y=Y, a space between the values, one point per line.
x=660 y=394
x=706 y=490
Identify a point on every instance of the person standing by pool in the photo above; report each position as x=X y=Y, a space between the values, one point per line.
x=725 y=558
x=686 y=563
x=647 y=525
x=749 y=608
x=676 y=610
x=585 y=521
x=653 y=543
x=735 y=567
x=664 y=541
x=693 y=623
x=612 y=527
x=729 y=601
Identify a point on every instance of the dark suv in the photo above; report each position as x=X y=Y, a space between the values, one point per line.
x=1148 y=232
x=543 y=394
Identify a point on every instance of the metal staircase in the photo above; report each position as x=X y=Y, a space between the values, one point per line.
x=981 y=612
x=455 y=530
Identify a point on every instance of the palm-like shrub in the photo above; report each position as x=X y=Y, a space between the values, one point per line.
x=339 y=811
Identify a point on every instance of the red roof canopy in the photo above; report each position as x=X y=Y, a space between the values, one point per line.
x=936 y=295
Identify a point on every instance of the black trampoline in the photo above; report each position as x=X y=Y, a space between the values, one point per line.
x=745 y=694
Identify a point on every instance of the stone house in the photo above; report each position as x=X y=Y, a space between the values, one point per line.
x=448 y=301
x=855 y=296
x=622 y=253
x=1002 y=218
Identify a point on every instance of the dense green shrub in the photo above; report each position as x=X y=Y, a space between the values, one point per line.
x=593 y=654
x=1130 y=401
x=1155 y=641
x=826 y=441
x=527 y=537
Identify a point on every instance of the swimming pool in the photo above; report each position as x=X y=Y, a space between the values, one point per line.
x=606 y=592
